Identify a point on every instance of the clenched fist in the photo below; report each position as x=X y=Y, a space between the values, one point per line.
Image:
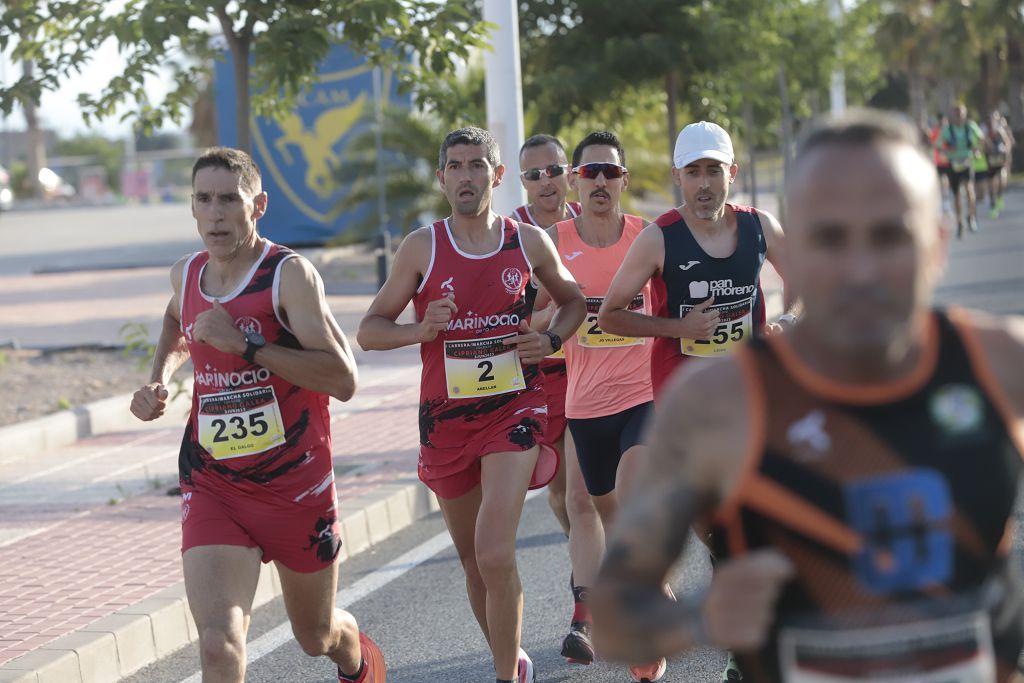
x=740 y=606
x=436 y=318
x=150 y=402
x=531 y=345
x=699 y=323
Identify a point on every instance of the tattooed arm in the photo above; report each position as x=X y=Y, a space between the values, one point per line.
x=697 y=447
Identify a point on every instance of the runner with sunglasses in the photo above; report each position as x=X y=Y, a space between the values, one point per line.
x=609 y=391
x=546 y=180
x=545 y=177
x=482 y=405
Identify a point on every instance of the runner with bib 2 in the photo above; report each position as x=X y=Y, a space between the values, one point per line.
x=482 y=367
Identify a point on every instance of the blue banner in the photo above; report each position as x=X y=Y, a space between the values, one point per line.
x=300 y=153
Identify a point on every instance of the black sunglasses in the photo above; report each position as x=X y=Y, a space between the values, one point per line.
x=592 y=170
x=552 y=171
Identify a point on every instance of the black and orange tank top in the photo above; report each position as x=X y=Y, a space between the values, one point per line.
x=895 y=505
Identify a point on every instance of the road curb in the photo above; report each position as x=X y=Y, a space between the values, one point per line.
x=134 y=637
x=68 y=426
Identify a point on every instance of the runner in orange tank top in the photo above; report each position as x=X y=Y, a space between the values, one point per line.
x=609 y=392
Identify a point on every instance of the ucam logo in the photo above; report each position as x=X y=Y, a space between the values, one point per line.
x=512 y=278
x=302 y=151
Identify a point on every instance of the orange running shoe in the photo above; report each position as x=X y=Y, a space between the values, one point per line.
x=374 y=669
x=648 y=673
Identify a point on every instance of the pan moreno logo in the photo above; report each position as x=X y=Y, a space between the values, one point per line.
x=702 y=289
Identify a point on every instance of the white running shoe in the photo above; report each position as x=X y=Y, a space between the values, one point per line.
x=526 y=674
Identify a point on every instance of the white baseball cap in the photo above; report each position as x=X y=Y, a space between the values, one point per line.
x=702 y=140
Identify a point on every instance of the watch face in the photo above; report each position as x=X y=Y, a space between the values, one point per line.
x=255 y=338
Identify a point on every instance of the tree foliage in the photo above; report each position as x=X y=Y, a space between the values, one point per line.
x=287 y=40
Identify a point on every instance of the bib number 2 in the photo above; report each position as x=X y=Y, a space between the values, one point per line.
x=482 y=367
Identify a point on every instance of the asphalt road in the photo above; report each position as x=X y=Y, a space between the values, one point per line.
x=97 y=238
x=424 y=625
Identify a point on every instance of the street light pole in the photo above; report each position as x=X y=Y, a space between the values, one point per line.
x=838 y=89
x=504 y=89
x=383 y=242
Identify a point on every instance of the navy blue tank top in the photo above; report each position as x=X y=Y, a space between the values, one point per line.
x=689 y=276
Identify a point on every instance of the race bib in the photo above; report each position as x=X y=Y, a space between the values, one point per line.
x=736 y=326
x=482 y=367
x=560 y=354
x=590 y=335
x=235 y=424
x=946 y=650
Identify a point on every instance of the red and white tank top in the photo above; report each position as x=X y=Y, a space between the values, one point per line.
x=608 y=373
x=523 y=214
x=250 y=428
x=467 y=370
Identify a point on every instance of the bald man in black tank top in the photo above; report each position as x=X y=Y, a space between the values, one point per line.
x=859 y=471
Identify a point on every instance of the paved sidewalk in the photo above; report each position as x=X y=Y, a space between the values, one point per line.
x=90 y=567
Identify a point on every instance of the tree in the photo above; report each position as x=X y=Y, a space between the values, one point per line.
x=707 y=58
x=579 y=54
x=107 y=153
x=275 y=44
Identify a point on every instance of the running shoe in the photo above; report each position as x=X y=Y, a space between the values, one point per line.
x=374 y=670
x=648 y=673
x=993 y=213
x=526 y=674
x=999 y=203
x=972 y=224
x=577 y=647
x=732 y=671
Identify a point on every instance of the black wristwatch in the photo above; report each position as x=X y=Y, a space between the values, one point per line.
x=254 y=341
x=556 y=341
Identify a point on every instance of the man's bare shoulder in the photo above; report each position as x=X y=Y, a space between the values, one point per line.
x=535 y=240
x=1001 y=341
x=415 y=250
x=178 y=270
x=419 y=238
x=298 y=271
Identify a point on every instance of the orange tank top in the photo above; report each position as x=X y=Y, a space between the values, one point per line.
x=607 y=373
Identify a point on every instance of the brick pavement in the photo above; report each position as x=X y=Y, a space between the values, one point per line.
x=75 y=558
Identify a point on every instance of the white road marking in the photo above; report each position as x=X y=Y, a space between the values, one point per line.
x=364 y=587
x=279 y=635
